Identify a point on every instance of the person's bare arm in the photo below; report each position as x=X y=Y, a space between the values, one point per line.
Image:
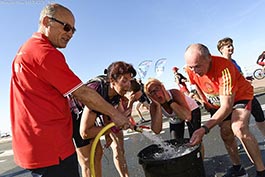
x=132 y=97
x=94 y=101
x=179 y=104
x=138 y=106
x=156 y=116
x=224 y=110
x=88 y=129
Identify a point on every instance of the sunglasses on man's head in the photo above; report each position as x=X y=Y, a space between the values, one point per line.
x=66 y=26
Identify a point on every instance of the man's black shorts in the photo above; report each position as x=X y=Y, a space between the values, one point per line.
x=244 y=104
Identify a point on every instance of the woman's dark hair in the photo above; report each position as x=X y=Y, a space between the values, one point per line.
x=119 y=68
x=135 y=86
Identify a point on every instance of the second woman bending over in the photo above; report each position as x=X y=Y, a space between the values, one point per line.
x=173 y=104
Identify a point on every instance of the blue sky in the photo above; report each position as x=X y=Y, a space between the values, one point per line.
x=133 y=31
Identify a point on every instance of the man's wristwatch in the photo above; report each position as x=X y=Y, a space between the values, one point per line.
x=206 y=129
x=170 y=102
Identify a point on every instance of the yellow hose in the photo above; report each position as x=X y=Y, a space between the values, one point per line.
x=94 y=145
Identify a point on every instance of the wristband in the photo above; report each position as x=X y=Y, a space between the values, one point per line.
x=206 y=129
x=170 y=102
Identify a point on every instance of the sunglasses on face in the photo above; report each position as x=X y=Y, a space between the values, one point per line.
x=66 y=26
x=154 y=91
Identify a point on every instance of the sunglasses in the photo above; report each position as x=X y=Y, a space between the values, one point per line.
x=66 y=26
x=154 y=91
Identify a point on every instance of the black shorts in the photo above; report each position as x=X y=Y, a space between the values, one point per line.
x=244 y=104
x=78 y=140
x=195 y=122
x=67 y=167
x=257 y=111
x=177 y=130
x=144 y=98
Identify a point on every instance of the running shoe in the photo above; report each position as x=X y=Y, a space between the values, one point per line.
x=260 y=175
x=231 y=172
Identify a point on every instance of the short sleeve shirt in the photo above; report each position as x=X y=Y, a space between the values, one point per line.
x=222 y=79
x=40 y=114
x=237 y=66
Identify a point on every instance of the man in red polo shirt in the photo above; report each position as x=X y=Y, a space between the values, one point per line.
x=225 y=91
x=40 y=115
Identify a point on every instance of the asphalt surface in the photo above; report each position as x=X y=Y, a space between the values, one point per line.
x=215 y=163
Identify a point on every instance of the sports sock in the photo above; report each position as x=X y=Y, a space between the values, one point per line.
x=237 y=167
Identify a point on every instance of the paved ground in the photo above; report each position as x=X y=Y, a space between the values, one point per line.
x=215 y=163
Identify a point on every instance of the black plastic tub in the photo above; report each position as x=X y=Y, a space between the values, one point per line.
x=186 y=165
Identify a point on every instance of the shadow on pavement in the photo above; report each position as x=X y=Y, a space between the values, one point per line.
x=217 y=165
x=216 y=159
x=18 y=172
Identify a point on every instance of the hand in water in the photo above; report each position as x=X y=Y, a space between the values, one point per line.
x=196 y=137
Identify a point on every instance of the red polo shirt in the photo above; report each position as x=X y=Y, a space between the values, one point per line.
x=40 y=114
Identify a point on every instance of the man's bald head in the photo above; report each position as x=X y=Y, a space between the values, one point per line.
x=198 y=58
